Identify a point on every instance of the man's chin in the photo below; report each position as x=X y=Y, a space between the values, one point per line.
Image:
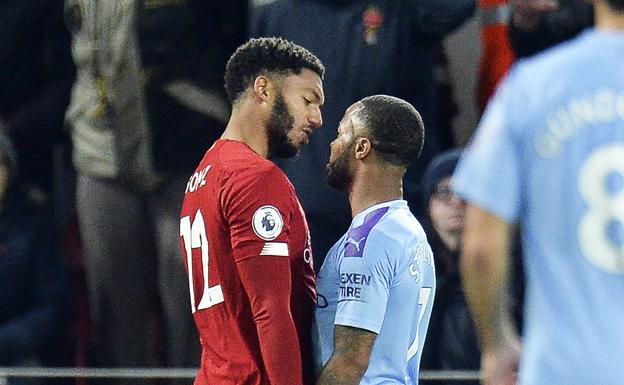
x=335 y=182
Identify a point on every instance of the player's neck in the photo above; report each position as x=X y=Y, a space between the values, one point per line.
x=607 y=19
x=246 y=126
x=373 y=186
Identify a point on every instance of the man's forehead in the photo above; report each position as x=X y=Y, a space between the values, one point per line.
x=352 y=113
x=307 y=79
x=351 y=118
x=354 y=108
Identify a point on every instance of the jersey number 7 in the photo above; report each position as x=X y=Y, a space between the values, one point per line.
x=194 y=236
x=423 y=299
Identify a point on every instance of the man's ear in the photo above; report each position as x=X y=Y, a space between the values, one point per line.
x=262 y=87
x=363 y=148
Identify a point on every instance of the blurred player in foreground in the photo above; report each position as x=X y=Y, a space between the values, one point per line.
x=376 y=286
x=549 y=156
x=242 y=229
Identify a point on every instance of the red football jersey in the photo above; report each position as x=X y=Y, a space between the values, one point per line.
x=247 y=247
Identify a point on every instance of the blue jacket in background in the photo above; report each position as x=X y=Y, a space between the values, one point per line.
x=33 y=283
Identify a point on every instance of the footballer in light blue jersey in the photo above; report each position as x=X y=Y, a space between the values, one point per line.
x=379 y=277
x=549 y=155
x=376 y=286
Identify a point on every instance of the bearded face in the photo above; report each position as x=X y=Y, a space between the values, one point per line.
x=280 y=123
x=339 y=173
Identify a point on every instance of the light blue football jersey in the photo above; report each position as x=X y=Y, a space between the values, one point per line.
x=549 y=155
x=380 y=277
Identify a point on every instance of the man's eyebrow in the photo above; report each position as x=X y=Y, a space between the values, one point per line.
x=316 y=95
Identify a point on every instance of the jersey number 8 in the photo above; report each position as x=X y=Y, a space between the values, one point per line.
x=601 y=228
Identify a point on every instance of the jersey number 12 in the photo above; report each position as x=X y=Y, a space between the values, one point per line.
x=194 y=236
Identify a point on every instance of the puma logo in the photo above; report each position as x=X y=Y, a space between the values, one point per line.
x=355 y=243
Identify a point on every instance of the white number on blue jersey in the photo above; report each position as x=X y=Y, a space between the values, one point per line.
x=600 y=230
x=423 y=299
x=194 y=236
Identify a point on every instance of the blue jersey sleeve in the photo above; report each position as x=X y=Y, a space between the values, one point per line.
x=365 y=284
x=488 y=174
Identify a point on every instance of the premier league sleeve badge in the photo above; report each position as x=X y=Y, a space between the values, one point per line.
x=267 y=223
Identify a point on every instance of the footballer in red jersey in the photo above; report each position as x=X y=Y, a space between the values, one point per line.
x=243 y=231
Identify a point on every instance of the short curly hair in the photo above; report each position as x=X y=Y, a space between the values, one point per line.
x=268 y=55
x=396 y=128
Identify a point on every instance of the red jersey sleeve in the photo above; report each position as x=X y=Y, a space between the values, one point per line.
x=267 y=283
x=258 y=208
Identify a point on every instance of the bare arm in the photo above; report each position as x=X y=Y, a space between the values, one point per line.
x=349 y=361
x=485 y=268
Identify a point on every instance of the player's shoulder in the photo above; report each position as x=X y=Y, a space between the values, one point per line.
x=397 y=222
x=534 y=85
x=238 y=155
x=553 y=63
x=240 y=162
x=397 y=229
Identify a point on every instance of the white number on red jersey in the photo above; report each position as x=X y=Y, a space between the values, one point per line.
x=194 y=236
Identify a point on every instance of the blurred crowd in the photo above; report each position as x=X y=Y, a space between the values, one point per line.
x=106 y=106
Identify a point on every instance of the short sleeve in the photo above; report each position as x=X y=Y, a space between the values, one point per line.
x=365 y=285
x=488 y=174
x=258 y=205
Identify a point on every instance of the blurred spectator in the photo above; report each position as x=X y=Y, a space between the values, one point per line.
x=513 y=29
x=451 y=342
x=147 y=103
x=496 y=53
x=36 y=76
x=446 y=106
x=33 y=282
x=539 y=24
x=369 y=47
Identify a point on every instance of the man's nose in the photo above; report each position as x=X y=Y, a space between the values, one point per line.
x=315 y=119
